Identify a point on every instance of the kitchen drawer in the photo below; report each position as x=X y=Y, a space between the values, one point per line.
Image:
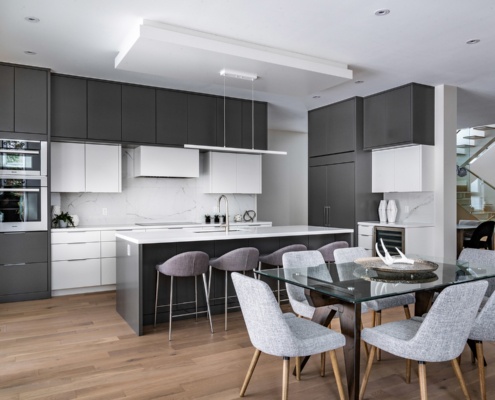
x=108 y=249
x=75 y=237
x=23 y=247
x=365 y=241
x=365 y=230
x=75 y=274
x=108 y=271
x=108 y=236
x=23 y=278
x=75 y=251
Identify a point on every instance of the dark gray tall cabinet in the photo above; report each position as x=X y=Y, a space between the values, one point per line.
x=339 y=177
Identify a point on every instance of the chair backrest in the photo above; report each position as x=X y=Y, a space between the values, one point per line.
x=242 y=259
x=480 y=258
x=445 y=329
x=303 y=259
x=482 y=236
x=328 y=249
x=484 y=325
x=265 y=322
x=190 y=263
x=275 y=258
x=348 y=255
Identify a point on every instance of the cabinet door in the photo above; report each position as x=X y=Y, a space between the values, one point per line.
x=407 y=169
x=21 y=279
x=341 y=135
x=383 y=171
x=229 y=123
x=201 y=120
x=317 y=178
x=103 y=168
x=138 y=114
x=23 y=247
x=68 y=167
x=68 y=107
x=108 y=271
x=75 y=274
x=317 y=131
x=340 y=195
x=6 y=98
x=104 y=111
x=171 y=117
x=248 y=173
x=31 y=100
x=223 y=172
x=260 y=125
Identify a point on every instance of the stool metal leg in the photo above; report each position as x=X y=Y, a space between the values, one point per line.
x=207 y=303
x=196 y=295
x=156 y=294
x=170 y=307
x=278 y=285
x=226 y=296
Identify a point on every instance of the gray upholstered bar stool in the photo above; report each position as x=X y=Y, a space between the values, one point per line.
x=188 y=264
x=275 y=259
x=238 y=260
x=327 y=250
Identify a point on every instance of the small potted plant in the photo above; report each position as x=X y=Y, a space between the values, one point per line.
x=62 y=220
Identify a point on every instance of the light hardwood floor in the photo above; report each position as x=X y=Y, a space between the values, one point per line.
x=79 y=347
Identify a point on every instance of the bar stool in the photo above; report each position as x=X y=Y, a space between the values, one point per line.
x=188 y=264
x=275 y=259
x=327 y=250
x=239 y=260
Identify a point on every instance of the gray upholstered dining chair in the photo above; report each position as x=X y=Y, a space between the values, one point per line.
x=483 y=331
x=347 y=255
x=299 y=261
x=281 y=335
x=238 y=260
x=440 y=336
x=327 y=250
x=480 y=258
x=188 y=264
x=275 y=259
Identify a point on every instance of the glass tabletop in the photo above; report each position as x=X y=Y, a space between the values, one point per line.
x=355 y=283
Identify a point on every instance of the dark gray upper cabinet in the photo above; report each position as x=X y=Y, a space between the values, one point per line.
x=260 y=125
x=229 y=122
x=201 y=120
x=31 y=100
x=104 y=110
x=138 y=114
x=171 y=117
x=6 y=98
x=68 y=107
x=332 y=129
x=404 y=115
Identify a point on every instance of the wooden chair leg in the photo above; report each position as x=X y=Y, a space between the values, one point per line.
x=407 y=312
x=285 y=379
x=378 y=322
x=322 y=364
x=249 y=374
x=298 y=368
x=408 y=370
x=481 y=369
x=373 y=318
x=336 y=373
x=422 y=380
x=458 y=373
x=367 y=372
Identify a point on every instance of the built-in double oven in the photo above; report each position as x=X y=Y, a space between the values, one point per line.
x=23 y=185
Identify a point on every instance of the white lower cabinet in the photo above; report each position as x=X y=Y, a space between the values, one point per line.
x=69 y=274
x=108 y=271
x=365 y=238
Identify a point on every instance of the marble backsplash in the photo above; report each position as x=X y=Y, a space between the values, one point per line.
x=147 y=199
x=413 y=206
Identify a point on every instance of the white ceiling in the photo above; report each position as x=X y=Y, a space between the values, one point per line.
x=420 y=41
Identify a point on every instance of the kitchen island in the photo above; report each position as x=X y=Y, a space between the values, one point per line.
x=139 y=252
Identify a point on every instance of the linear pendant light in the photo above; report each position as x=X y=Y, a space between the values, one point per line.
x=249 y=77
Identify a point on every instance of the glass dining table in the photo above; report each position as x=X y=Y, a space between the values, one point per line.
x=351 y=284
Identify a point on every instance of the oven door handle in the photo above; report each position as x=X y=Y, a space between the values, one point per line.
x=19 y=190
x=13 y=151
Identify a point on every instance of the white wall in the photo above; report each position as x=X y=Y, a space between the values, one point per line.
x=284 y=200
x=484 y=166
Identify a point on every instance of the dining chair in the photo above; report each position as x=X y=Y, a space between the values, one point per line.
x=480 y=258
x=350 y=254
x=188 y=264
x=483 y=331
x=482 y=236
x=282 y=335
x=328 y=249
x=238 y=260
x=440 y=336
x=298 y=262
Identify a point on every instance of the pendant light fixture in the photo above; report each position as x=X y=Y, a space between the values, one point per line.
x=249 y=77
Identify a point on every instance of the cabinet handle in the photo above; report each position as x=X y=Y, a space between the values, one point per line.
x=14 y=265
x=327 y=216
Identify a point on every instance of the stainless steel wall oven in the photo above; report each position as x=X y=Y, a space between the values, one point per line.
x=23 y=157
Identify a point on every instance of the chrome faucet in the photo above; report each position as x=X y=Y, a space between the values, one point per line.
x=226 y=211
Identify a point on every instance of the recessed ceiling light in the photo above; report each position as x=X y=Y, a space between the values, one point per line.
x=30 y=53
x=316 y=97
x=382 y=12
x=358 y=82
x=34 y=20
x=473 y=41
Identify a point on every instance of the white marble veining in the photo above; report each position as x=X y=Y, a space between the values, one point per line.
x=147 y=199
x=420 y=206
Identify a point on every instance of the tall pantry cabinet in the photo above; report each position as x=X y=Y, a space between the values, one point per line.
x=339 y=180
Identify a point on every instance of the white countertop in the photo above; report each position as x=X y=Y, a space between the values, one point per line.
x=248 y=233
x=171 y=225
x=399 y=224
